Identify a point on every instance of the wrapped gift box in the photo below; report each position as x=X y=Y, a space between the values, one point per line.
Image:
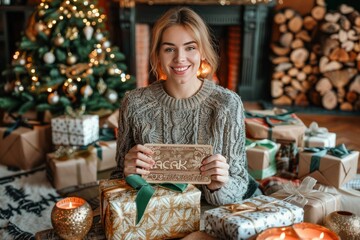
x=317 y=204
x=79 y=131
x=266 y=124
x=25 y=148
x=225 y=224
x=70 y=172
x=316 y=136
x=168 y=214
x=105 y=151
x=349 y=198
x=328 y=169
x=261 y=158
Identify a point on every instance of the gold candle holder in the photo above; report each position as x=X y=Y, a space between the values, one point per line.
x=72 y=218
x=278 y=233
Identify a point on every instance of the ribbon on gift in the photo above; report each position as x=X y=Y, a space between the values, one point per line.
x=299 y=194
x=237 y=209
x=282 y=119
x=315 y=131
x=20 y=122
x=271 y=147
x=75 y=113
x=146 y=191
x=339 y=151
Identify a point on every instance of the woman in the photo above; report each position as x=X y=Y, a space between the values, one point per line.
x=185 y=109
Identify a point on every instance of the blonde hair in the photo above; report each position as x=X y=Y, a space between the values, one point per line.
x=186 y=17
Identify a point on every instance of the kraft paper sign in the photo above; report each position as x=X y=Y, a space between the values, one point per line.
x=178 y=163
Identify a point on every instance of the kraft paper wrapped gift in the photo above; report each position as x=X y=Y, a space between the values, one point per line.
x=24 y=147
x=70 y=172
x=261 y=158
x=266 y=124
x=317 y=204
x=168 y=214
x=250 y=217
x=349 y=198
x=79 y=131
x=329 y=166
x=316 y=136
x=105 y=151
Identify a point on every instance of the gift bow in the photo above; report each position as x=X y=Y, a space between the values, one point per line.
x=19 y=122
x=299 y=194
x=265 y=143
x=237 y=209
x=339 y=151
x=315 y=130
x=146 y=191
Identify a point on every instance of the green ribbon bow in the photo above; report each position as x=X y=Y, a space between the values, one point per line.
x=19 y=122
x=284 y=118
x=271 y=146
x=146 y=191
x=339 y=151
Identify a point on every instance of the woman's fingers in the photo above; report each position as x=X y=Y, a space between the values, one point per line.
x=138 y=160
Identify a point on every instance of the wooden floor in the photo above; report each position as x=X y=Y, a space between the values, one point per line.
x=347 y=128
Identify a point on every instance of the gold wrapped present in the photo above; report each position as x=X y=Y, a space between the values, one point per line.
x=261 y=158
x=80 y=168
x=24 y=147
x=317 y=204
x=329 y=166
x=266 y=124
x=168 y=214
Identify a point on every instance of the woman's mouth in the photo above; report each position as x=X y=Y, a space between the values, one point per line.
x=180 y=69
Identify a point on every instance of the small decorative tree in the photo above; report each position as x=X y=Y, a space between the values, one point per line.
x=64 y=60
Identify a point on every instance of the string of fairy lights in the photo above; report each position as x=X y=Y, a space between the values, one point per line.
x=74 y=71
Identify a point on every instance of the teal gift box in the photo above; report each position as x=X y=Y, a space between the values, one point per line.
x=329 y=166
x=316 y=136
x=261 y=158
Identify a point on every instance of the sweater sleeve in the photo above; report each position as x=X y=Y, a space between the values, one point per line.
x=233 y=149
x=124 y=140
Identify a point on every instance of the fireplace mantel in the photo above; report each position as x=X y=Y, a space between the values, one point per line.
x=255 y=23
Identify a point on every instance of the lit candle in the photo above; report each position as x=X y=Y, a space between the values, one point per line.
x=70 y=203
x=314 y=232
x=283 y=233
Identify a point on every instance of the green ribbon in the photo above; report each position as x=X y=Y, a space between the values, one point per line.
x=271 y=146
x=146 y=191
x=107 y=134
x=339 y=151
x=19 y=122
x=284 y=118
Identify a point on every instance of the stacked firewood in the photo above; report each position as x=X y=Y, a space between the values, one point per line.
x=317 y=58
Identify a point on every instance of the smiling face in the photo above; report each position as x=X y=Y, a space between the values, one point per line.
x=179 y=55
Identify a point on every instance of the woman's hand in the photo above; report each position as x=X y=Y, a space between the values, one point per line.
x=138 y=160
x=217 y=168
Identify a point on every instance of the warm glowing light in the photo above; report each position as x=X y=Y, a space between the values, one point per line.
x=78 y=79
x=282 y=236
x=322 y=235
x=61 y=17
x=67 y=2
x=49 y=90
x=112 y=55
x=33 y=70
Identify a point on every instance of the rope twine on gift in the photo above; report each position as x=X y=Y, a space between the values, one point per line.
x=300 y=195
x=271 y=147
x=238 y=209
x=274 y=120
x=339 y=151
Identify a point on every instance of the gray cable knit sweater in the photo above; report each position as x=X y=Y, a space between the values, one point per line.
x=214 y=116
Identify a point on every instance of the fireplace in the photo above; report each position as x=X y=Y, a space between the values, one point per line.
x=241 y=31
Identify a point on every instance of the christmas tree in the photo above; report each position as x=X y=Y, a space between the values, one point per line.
x=65 y=60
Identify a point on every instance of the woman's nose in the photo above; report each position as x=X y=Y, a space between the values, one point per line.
x=180 y=56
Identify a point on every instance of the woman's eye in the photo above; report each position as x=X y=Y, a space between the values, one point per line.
x=169 y=49
x=190 y=48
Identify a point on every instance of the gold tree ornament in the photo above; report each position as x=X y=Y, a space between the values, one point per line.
x=101 y=86
x=9 y=86
x=53 y=98
x=86 y=91
x=59 y=40
x=71 y=59
x=70 y=88
x=72 y=33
